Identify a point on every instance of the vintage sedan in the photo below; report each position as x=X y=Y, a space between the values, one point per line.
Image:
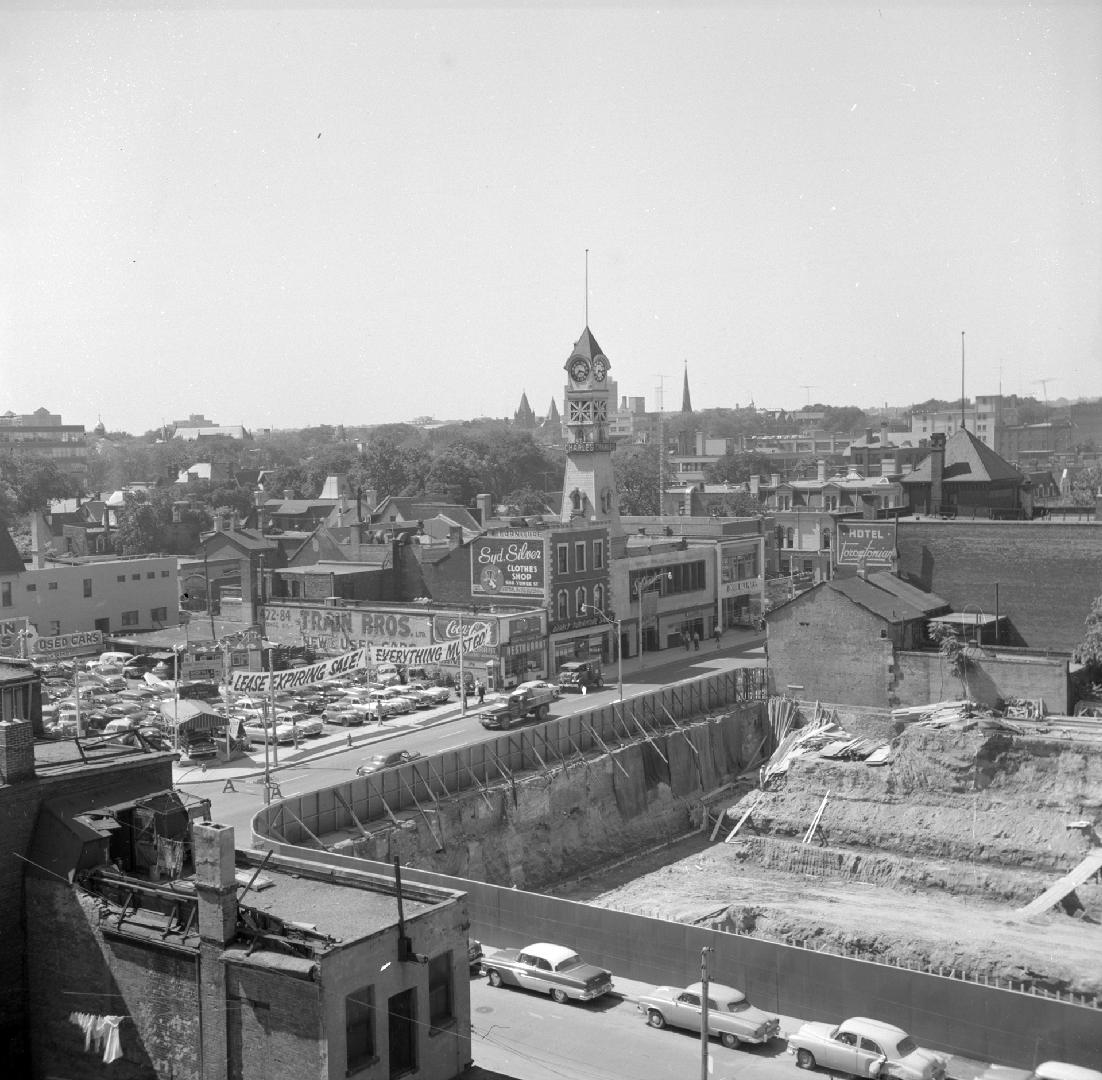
x=1047 y=1070
x=549 y=969
x=866 y=1048
x=731 y=1017
x=437 y=694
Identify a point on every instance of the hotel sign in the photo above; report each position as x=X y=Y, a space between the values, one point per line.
x=866 y=543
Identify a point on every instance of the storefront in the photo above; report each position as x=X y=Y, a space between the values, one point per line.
x=583 y=638
x=741 y=582
x=524 y=653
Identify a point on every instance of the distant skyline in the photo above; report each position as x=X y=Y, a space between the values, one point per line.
x=289 y=217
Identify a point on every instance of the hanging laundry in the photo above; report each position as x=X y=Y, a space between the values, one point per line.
x=100 y=1033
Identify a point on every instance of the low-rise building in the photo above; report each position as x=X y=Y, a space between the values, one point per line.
x=42 y=434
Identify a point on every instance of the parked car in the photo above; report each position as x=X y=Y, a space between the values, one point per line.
x=345 y=716
x=474 y=954
x=438 y=694
x=730 y=1016
x=549 y=969
x=278 y=732
x=1047 y=1070
x=865 y=1048
x=307 y=725
x=378 y=762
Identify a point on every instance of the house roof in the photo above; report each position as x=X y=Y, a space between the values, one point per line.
x=410 y=509
x=11 y=562
x=888 y=597
x=967 y=461
x=243 y=538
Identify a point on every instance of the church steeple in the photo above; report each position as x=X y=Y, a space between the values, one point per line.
x=524 y=417
x=686 y=401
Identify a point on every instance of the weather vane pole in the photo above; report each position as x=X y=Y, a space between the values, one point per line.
x=587 y=286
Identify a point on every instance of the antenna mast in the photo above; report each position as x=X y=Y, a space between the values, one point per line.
x=962 y=378
x=587 y=286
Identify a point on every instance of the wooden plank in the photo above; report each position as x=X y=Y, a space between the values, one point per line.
x=745 y=817
x=809 y=835
x=1057 y=891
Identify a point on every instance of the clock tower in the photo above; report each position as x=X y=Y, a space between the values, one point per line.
x=589 y=487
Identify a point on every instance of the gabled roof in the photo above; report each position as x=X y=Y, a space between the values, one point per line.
x=246 y=539
x=967 y=461
x=888 y=597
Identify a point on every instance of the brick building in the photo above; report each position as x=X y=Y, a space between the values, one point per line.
x=248 y=968
x=42 y=434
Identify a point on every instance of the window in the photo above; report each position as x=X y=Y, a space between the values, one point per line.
x=562 y=606
x=135 y=577
x=121 y=578
x=826 y=540
x=359 y=1029
x=158 y=614
x=87 y=586
x=788 y=538
x=579 y=556
x=150 y=574
x=599 y=597
x=581 y=599
x=130 y=618
x=598 y=554
x=55 y=627
x=52 y=586
x=440 y=990
x=164 y=573
x=562 y=552
x=5 y=594
x=33 y=587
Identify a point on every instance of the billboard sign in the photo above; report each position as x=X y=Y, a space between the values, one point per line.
x=60 y=646
x=511 y=565
x=866 y=543
x=261 y=682
x=476 y=637
x=14 y=634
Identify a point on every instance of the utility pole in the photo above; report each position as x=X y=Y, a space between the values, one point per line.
x=704 y=1012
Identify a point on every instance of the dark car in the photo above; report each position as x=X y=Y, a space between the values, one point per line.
x=378 y=762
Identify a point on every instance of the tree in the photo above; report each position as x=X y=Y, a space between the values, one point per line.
x=737 y=468
x=737 y=504
x=525 y=502
x=1086 y=485
x=29 y=483
x=1089 y=651
x=845 y=418
x=954 y=652
x=139 y=526
x=637 y=477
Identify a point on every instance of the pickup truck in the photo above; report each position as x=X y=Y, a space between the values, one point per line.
x=581 y=675
x=528 y=699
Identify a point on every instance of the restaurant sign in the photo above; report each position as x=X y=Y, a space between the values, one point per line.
x=866 y=543
x=508 y=566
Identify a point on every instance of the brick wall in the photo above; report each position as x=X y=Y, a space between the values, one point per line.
x=75 y=967
x=921 y=677
x=19 y=807
x=832 y=648
x=1047 y=573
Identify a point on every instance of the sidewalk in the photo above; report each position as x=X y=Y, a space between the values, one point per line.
x=733 y=642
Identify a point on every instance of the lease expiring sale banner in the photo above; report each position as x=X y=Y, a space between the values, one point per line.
x=258 y=682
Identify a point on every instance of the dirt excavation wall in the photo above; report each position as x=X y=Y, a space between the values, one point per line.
x=546 y=825
x=920 y=862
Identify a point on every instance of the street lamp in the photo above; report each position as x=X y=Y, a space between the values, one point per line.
x=619 y=649
x=641 y=587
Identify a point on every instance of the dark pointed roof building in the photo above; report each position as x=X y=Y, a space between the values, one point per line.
x=686 y=401
x=524 y=417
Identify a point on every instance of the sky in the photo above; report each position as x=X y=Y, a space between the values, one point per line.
x=294 y=216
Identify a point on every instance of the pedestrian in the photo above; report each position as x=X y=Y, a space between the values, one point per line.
x=685 y=639
x=696 y=641
x=717 y=633
x=481 y=691
x=350 y=739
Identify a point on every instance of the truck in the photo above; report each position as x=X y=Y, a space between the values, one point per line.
x=529 y=699
x=580 y=675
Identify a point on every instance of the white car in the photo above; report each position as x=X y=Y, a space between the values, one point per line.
x=865 y=1048
x=279 y=732
x=304 y=722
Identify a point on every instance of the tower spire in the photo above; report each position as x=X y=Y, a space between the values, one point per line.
x=587 y=286
x=686 y=400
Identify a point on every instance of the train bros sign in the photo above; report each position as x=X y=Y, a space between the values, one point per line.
x=411 y=639
x=866 y=543
x=509 y=564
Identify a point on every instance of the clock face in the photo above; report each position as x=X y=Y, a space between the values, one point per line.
x=600 y=369
x=579 y=369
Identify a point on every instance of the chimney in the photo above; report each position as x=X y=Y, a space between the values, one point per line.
x=288 y=494
x=40 y=537
x=775 y=480
x=233 y=522
x=755 y=484
x=821 y=473
x=868 y=436
x=215 y=881
x=218 y=522
x=484 y=506
x=883 y=434
x=937 y=469
x=16 y=751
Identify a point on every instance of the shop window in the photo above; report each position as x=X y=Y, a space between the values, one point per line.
x=441 y=1008
x=579 y=556
x=359 y=1029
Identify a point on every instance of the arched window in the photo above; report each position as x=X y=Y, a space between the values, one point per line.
x=599 y=597
x=580 y=600
x=563 y=605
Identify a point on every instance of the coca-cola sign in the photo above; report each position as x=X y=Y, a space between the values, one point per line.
x=508 y=566
x=447 y=628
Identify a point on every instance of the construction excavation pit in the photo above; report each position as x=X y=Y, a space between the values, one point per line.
x=939 y=839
